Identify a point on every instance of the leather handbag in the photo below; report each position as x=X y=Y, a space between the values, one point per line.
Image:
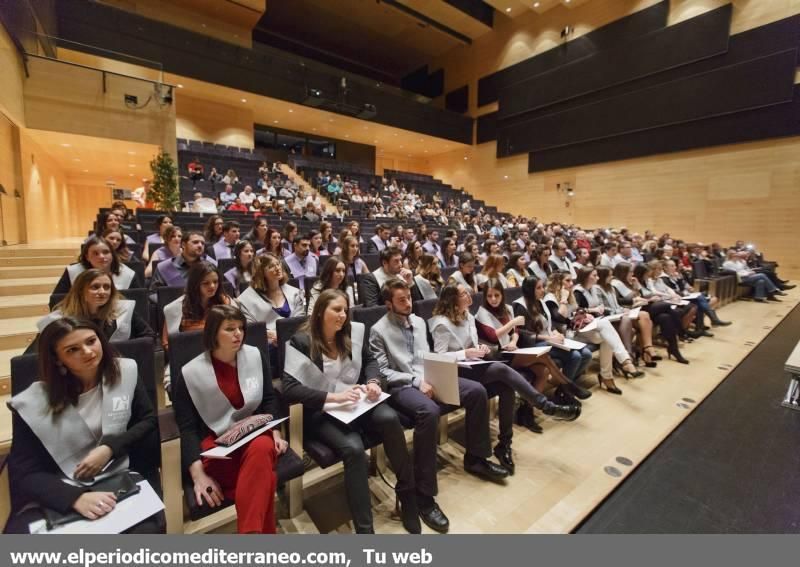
x=123 y=485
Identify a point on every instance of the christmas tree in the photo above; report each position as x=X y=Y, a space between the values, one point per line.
x=164 y=188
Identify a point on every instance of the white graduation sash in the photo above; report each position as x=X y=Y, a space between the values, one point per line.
x=437 y=320
x=67 y=437
x=302 y=368
x=486 y=318
x=173 y=315
x=258 y=310
x=425 y=288
x=123 y=317
x=125 y=277
x=517 y=276
x=74 y=270
x=545 y=317
x=213 y=406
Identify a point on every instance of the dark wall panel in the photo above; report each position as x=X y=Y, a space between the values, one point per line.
x=776 y=121
x=752 y=84
x=477 y=9
x=606 y=37
x=674 y=46
x=457 y=100
x=487 y=127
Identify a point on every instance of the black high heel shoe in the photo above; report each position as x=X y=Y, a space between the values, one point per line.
x=610 y=388
x=650 y=351
x=673 y=351
x=628 y=374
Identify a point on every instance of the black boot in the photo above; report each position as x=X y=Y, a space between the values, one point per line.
x=577 y=391
x=562 y=413
x=715 y=320
x=408 y=511
x=674 y=351
x=526 y=419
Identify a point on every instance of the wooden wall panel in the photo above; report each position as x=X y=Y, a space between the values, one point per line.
x=753 y=84
x=698 y=195
x=13 y=218
x=11 y=103
x=675 y=46
x=198 y=119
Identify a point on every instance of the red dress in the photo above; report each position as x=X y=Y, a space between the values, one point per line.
x=248 y=477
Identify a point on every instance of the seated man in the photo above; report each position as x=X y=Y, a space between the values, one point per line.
x=398 y=341
x=247 y=196
x=223 y=248
x=196 y=170
x=238 y=206
x=380 y=241
x=391 y=267
x=301 y=263
x=174 y=272
x=227 y=197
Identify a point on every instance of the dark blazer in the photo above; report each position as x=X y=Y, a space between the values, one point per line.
x=36 y=478
x=370 y=292
x=528 y=335
x=296 y=393
x=192 y=427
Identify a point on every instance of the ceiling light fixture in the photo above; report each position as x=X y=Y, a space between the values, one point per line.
x=536 y=4
x=244 y=100
x=180 y=86
x=67 y=145
x=508 y=9
x=291 y=110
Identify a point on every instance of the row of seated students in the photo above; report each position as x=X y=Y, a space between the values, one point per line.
x=74 y=345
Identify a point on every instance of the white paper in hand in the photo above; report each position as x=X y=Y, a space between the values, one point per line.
x=634 y=313
x=441 y=372
x=348 y=411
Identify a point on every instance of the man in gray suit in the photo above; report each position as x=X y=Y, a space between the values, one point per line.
x=398 y=342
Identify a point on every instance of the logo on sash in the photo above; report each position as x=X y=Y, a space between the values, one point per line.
x=251 y=383
x=120 y=403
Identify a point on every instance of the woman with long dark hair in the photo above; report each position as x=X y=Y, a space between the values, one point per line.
x=241 y=273
x=63 y=430
x=172 y=247
x=333 y=276
x=258 y=232
x=517 y=269
x=329 y=361
x=429 y=282
x=189 y=311
x=227 y=383
x=496 y=324
x=465 y=275
x=213 y=230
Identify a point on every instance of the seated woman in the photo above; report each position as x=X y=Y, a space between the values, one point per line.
x=540 y=263
x=315 y=245
x=683 y=314
x=272 y=244
x=270 y=298
x=466 y=273
x=172 y=247
x=226 y=384
x=351 y=256
x=517 y=269
x=539 y=331
x=112 y=221
x=563 y=306
x=97 y=253
x=492 y=269
x=258 y=232
x=163 y=222
x=412 y=255
x=243 y=265
x=428 y=280
x=333 y=276
x=66 y=428
x=763 y=288
x=213 y=230
x=673 y=279
x=326 y=231
x=95 y=298
x=600 y=286
x=289 y=234
x=627 y=289
x=116 y=240
x=496 y=326
x=689 y=310
x=329 y=361
x=490 y=246
x=455 y=334
x=189 y=311
x=448 y=253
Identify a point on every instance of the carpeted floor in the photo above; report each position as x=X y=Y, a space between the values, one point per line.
x=732 y=467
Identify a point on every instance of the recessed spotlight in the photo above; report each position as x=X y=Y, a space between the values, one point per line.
x=508 y=9
x=291 y=110
x=566 y=1
x=131 y=165
x=130 y=175
x=313 y=129
x=66 y=145
x=347 y=135
x=330 y=119
x=244 y=100
x=505 y=177
x=86 y=171
x=401 y=147
x=374 y=141
x=180 y=86
x=536 y=4
x=466 y=158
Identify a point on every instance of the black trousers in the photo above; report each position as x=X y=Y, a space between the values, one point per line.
x=346 y=441
x=502 y=381
x=426 y=412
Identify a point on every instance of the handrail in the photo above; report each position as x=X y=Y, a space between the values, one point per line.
x=104 y=71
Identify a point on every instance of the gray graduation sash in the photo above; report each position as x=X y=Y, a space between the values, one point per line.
x=548 y=327
x=222 y=250
x=213 y=406
x=173 y=315
x=486 y=318
x=517 y=276
x=257 y=309
x=121 y=281
x=437 y=320
x=379 y=244
x=380 y=277
x=66 y=437
x=74 y=270
x=458 y=277
x=123 y=317
x=302 y=368
x=425 y=288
